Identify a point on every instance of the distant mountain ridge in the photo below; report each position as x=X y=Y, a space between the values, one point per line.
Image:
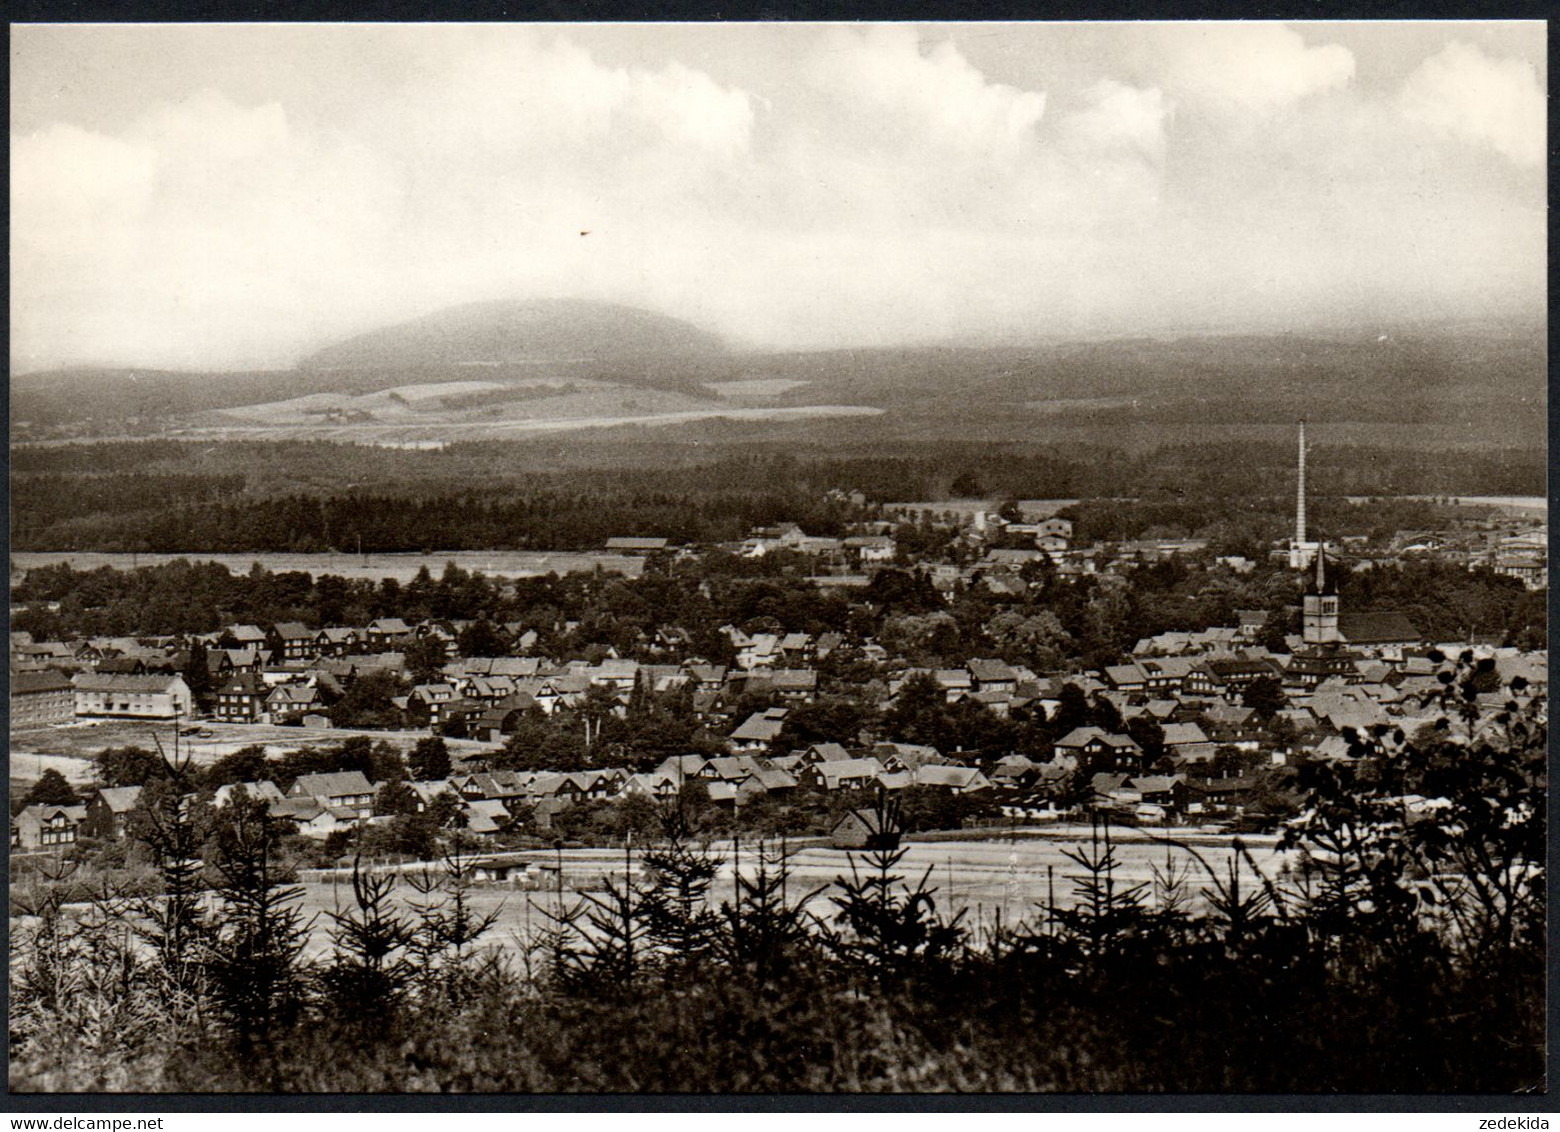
x=1489 y=384
x=510 y=332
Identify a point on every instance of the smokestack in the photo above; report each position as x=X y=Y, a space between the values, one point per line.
x=1300 y=493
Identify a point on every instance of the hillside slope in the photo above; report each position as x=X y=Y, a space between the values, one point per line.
x=517 y=333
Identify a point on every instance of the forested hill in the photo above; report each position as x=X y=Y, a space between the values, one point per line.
x=517 y=333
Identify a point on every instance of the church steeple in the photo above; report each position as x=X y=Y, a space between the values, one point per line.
x=1320 y=606
x=1323 y=584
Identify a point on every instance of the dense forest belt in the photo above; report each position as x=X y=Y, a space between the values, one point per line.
x=313 y=496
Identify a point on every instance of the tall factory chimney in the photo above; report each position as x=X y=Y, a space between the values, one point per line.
x=1301 y=550
x=1300 y=493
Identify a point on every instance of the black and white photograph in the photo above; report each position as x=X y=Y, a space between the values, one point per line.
x=754 y=558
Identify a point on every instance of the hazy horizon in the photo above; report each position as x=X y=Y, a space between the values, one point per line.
x=222 y=197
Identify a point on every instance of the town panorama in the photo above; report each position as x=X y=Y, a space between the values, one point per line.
x=779 y=559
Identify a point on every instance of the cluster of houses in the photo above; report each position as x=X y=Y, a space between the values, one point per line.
x=1193 y=698
x=317 y=804
x=995 y=547
x=1511 y=548
x=994 y=550
x=1376 y=662
x=1343 y=670
x=490 y=802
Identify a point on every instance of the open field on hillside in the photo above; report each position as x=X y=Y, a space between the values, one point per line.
x=755 y=387
x=452 y=403
x=418 y=426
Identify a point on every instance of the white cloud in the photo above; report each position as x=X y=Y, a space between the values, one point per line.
x=692 y=109
x=78 y=175
x=883 y=79
x=1494 y=102
x=1122 y=116
x=1236 y=65
x=851 y=185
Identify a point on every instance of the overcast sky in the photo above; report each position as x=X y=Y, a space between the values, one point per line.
x=234 y=196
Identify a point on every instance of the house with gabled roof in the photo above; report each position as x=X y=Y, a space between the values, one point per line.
x=347 y=790
x=314 y=819
x=485 y=690
x=800 y=684
x=1231 y=675
x=1125 y=677
x=992 y=676
x=956 y=779
x=1157 y=789
x=1382 y=633
x=677 y=769
x=827 y=643
x=265 y=791
x=906 y=756
x=1188 y=743
x=556 y=784
x=759 y=730
x=614 y=673
x=288 y=700
x=1165 y=674
x=955 y=683
x=794 y=646
x=864 y=829
x=47 y=826
x=121 y=666
x=106 y=811
x=870 y=548
x=247 y=636
x=429 y=790
x=336 y=640
x=486 y=817
x=845 y=774
x=761 y=650
x=387 y=632
x=550 y=692
x=1085 y=745
x=1114 y=790
x=430 y=703
x=291 y=640
x=822 y=753
x=648 y=785
x=706 y=676
x=1014 y=772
